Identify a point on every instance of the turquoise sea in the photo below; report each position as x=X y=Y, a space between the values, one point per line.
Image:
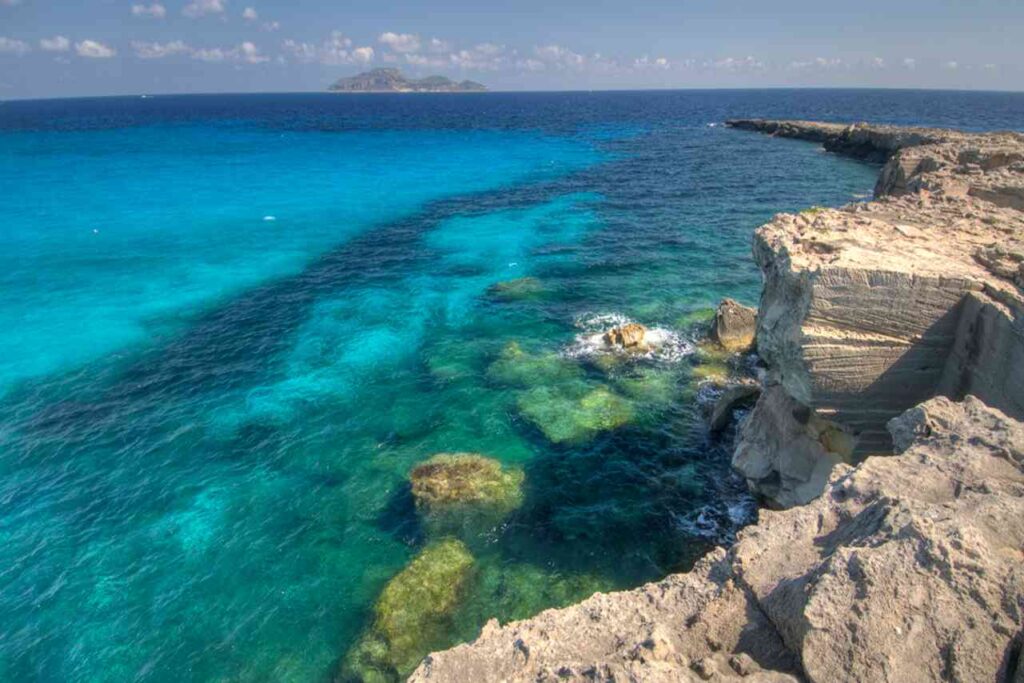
x=231 y=325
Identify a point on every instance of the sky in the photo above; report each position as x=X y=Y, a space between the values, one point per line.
x=112 y=47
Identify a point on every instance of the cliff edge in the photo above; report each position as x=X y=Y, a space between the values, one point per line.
x=870 y=309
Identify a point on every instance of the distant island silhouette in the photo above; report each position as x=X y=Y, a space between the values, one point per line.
x=392 y=80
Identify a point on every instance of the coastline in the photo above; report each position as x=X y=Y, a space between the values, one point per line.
x=895 y=325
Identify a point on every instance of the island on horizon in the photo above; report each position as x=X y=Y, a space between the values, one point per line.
x=392 y=80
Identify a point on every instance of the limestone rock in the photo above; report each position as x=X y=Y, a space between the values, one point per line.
x=734 y=326
x=907 y=569
x=629 y=336
x=871 y=309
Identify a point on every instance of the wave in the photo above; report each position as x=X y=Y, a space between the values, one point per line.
x=665 y=345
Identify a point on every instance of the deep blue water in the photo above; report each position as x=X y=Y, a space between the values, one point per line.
x=230 y=325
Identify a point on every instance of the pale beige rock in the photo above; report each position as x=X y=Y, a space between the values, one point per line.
x=870 y=309
x=908 y=569
x=734 y=326
x=629 y=336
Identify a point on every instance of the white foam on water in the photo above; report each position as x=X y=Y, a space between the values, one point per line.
x=665 y=345
x=270 y=218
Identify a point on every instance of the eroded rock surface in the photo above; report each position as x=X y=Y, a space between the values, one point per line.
x=909 y=568
x=870 y=309
x=734 y=326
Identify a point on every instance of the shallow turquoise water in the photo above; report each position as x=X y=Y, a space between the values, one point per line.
x=207 y=418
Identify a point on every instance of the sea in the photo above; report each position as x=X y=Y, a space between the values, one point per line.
x=231 y=325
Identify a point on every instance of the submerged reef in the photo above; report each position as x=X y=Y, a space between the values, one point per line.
x=459 y=491
x=575 y=414
x=412 y=614
x=892 y=329
x=519 y=368
x=513 y=290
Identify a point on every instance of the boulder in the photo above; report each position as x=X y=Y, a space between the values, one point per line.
x=734 y=326
x=629 y=336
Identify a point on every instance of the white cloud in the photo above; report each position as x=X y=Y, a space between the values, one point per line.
x=437 y=46
x=245 y=53
x=271 y=25
x=952 y=65
x=646 y=63
x=742 y=64
x=13 y=47
x=910 y=63
x=250 y=14
x=55 y=44
x=400 y=42
x=363 y=55
x=336 y=50
x=156 y=11
x=145 y=50
x=481 y=57
x=94 y=50
x=198 y=8
x=878 y=63
x=559 y=57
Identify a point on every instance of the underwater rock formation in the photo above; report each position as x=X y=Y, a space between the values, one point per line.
x=870 y=309
x=517 y=367
x=513 y=290
x=564 y=416
x=734 y=326
x=907 y=569
x=452 y=490
x=412 y=614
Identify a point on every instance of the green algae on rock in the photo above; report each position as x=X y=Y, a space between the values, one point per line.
x=567 y=418
x=650 y=386
x=513 y=290
x=517 y=367
x=452 y=490
x=413 y=614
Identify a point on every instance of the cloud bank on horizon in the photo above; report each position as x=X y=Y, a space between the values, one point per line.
x=268 y=45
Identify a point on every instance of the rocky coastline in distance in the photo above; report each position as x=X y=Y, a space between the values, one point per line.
x=885 y=443
x=387 y=80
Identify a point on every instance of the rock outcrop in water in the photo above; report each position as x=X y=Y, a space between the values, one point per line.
x=869 y=309
x=877 y=580
x=900 y=568
x=734 y=326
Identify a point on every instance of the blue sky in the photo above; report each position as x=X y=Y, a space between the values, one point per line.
x=95 y=47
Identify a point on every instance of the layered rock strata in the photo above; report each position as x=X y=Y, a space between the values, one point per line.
x=872 y=308
x=877 y=580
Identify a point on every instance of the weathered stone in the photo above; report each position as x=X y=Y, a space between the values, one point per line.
x=870 y=309
x=907 y=569
x=734 y=396
x=629 y=336
x=734 y=326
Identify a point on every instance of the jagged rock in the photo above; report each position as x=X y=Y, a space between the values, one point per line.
x=908 y=569
x=870 y=309
x=734 y=396
x=786 y=451
x=629 y=336
x=734 y=326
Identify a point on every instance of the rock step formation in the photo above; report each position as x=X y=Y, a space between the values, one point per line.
x=877 y=580
x=870 y=309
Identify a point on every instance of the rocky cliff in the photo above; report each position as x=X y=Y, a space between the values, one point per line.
x=877 y=580
x=869 y=309
x=874 y=320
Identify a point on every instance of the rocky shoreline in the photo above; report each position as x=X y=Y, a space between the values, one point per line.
x=894 y=326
